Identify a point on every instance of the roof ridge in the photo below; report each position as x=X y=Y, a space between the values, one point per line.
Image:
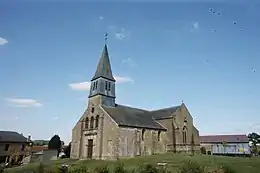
x=164 y=108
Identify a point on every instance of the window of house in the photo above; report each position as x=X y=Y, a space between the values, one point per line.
x=109 y=86
x=86 y=123
x=22 y=147
x=7 y=147
x=159 y=136
x=92 y=122
x=93 y=88
x=92 y=110
x=143 y=131
x=106 y=85
x=96 y=84
x=97 y=121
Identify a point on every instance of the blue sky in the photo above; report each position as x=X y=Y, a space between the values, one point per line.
x=161 y=54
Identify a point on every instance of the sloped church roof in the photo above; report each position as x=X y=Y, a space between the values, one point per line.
x=134 y=117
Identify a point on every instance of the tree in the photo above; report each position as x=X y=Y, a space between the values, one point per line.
x=55 y=143
x=254 y=139
x=67 y=150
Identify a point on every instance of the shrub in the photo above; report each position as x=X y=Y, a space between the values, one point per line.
x=148 y=168
x=223 y=169
x=102 y=169
x=203 y=150
x=120 y=169
x=191 y=167
x=79 y=169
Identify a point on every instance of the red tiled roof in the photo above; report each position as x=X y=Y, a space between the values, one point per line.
x=226 y=138
x=39 y=148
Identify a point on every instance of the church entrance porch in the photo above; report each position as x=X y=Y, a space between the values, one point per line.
x=90 y=149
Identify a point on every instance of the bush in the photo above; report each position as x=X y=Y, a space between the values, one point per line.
x=191 y=167
x=223 y=169
x=148 y=168
x=102 y=169
x=120 y=169
x=203 y=150
x=79 y=169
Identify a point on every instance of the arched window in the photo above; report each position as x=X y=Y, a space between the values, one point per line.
x=184 y=135
x=143 y=131
x=92 y=122
x=97 y=121
x=92 y=110
x=86 y=123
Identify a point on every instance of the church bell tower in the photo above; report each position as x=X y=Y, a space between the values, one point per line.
x=103 y=82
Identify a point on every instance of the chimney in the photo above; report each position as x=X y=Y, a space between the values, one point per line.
x=29 y=138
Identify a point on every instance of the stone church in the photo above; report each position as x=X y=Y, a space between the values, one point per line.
x=108 y=130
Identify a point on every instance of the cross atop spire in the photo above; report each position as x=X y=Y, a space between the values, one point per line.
x=106 y=35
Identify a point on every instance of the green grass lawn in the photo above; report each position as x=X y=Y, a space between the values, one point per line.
x=238 y=164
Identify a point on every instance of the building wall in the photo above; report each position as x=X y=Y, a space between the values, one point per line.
x=137 y=141
x=229 y=148
x=175 y=130
x=113 y=142
x=13 y=147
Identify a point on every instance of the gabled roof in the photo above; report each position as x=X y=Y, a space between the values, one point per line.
x=164 y=113
x=226 y=138
x=10 y=136
x=134 y=117
x=104 y=68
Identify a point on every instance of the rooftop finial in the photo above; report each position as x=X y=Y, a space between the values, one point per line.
x=106 y=35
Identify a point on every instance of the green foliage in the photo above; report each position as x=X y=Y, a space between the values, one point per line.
x=40 y=142
x=149 y=168
x=203 y=150
x=102 y=169
x=79 y=169
x=191 y=167
x=254 y=138
x=55 y=143
x=120 y=169
x=40 y=168
x=223 y=169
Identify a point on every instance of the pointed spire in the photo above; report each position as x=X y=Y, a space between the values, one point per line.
x=104 y=68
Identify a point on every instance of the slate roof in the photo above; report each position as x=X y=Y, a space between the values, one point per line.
x=221 y=138
x=104 y=68
x=9 y=136
x=134 y=117
x=164 y=113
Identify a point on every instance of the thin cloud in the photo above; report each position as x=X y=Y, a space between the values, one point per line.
x=101 y=17
x=196 y=25
x=3 y=41
x=122 y=79
x=80 y=86
x=85 y=86
x=121 y=35
x=23 y=102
